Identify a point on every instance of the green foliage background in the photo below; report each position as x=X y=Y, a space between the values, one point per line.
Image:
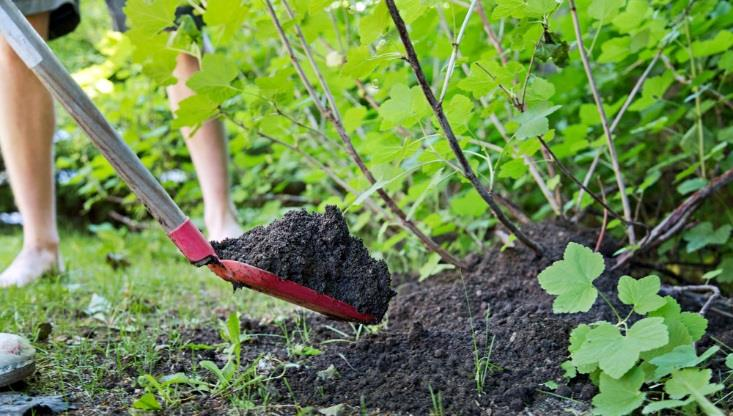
x=679 y=118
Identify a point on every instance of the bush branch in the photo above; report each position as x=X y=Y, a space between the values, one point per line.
x=437 y=107
x=604 y=122
x=677 y=219
x=334 y=117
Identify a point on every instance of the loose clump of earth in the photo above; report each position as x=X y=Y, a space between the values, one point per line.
x=316 y=250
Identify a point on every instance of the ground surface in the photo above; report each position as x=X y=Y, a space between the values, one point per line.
x=167 y=318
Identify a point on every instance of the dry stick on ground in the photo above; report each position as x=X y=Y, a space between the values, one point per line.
x=333 y=116
x=677 y=219
x=604 y=122
x=437 y=107
x=714 y=293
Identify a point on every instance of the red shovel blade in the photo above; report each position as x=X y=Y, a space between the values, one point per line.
x=194 y=246
x=266 y=282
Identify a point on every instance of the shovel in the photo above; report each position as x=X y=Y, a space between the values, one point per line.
x=38 y=57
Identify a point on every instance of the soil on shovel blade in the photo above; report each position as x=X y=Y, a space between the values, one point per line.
x=316 y=250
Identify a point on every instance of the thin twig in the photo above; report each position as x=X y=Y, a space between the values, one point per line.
x=604 y=122
x=676 y=290
x=490 y=32
x=604 y=224
x=437 y=107
x=676 y=220
x=334 y=117
x=454 y=54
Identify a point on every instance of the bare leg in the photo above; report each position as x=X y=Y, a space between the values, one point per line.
x=208 y=150
x=26 y=135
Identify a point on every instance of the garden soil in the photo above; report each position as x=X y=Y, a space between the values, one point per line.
x=426 y=342
x=316 y=250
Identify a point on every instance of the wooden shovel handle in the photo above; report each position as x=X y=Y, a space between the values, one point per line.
x=38 y=57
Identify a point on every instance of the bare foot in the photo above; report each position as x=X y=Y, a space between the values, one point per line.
x=221 y=230
x=30 y=265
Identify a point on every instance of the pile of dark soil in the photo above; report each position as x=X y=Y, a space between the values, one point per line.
x=316 y=251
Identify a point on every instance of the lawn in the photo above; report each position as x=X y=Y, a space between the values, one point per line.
x=108 y=324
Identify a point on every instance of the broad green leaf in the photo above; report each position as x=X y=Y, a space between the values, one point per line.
x=616 y=354
x=642 y=294
x=604 y=10
x=695 y=383
x=729 y=361
x=539 y=8
x=353 y=118
x=681 y=357
x=539 y=90
x=478 y=82
x=374 y=24
x=514 y=169
x=151 y=16
x=534 y=122
x=215 y=77
x=470 y=204
x=722 y=41
x=571 y=279
x=691 y=185
x=510 y=8
x=703 y=235
x=194 y=110
x=655 y=407
x=459 y=111
x=224 y=18
x=615 y=50
x=359 y=63
x=405 y=107
x=632 y=17
x=619 y=396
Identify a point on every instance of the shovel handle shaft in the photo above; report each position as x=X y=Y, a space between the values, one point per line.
x=33 y=50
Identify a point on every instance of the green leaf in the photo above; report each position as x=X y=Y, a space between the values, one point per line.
x=722 y=41
x=616 y=354
x=406 y=106
x=680 y=357
x=224 y=18
x=534 y=122
x=510 y=8
x=604 y=10
x=619 y=396
x=615 y=50
x=641 y=293
x=194 y=110
x=655 y=407
x=695 y=383
x=470 y=204
x=354 y=117
x=147 y=402
x=703 y=235
x=691 y=185
x=459 y=111
x=729 y=361
x=215 y=77
x=571 y=279
x=373 y=25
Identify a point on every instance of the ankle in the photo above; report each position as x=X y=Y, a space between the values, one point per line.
x=44 y=246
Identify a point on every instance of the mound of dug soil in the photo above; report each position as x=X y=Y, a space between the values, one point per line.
x=433 y=333
x=316 y=251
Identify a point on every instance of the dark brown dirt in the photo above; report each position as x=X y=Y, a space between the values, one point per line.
x=427 y=341
x=316 y=251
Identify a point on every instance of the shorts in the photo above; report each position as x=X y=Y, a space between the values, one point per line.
x=64 y=17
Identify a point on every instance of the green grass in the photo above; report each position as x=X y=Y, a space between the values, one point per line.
x=159 y=294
